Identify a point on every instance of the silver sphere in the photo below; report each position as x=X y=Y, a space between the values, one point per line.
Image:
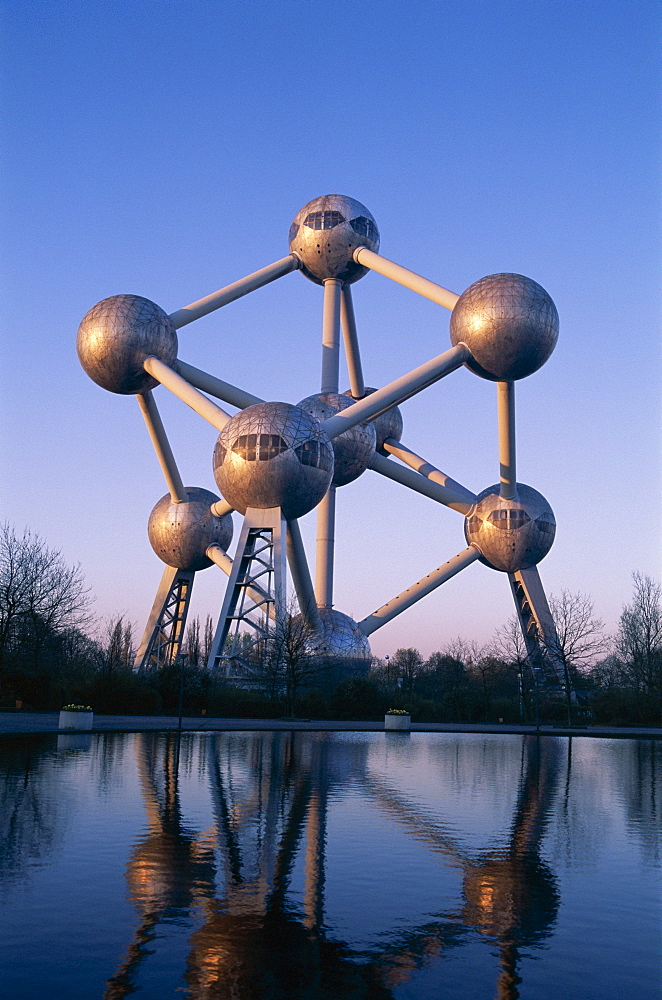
x=116 y=336
x=353 y=449
x=511 y=534
x=181 y=533
x=342 y=640
x=509 y=323
x=325 y=233
x=387 y=425
x=273 y=455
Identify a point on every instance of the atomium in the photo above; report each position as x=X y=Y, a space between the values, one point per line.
x=275 y=462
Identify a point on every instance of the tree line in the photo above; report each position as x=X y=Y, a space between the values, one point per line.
x=54 y=651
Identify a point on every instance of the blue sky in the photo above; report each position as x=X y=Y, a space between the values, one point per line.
x=163 y=148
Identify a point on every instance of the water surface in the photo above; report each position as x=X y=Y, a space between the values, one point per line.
x=303 y=865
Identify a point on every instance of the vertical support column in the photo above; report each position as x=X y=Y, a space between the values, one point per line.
x=351 y=341
x=331 y=335
x=326 y=522
x=303 y=585
x=506 y=418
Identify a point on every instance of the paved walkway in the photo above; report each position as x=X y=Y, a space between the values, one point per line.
x=17 y=723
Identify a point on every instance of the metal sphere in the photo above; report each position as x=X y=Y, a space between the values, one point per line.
x=181 y=533
x=509 y=323
x=387 y=425
x=353 y=449
x=511 y=534
x=325 y=233
x=273 y=455
x=116 y=336
x=342 y=640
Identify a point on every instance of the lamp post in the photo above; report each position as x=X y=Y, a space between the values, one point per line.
x=536 y=674
x=182 y=663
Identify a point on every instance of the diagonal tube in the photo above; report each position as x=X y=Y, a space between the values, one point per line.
x=216 y=386
x=351 y=341
x=159 y=438
x=420 y=484
x=396 y=392
x=179 y=387
x=181 y=317
x=424 y=468
x=415 y=282
x=419 y=590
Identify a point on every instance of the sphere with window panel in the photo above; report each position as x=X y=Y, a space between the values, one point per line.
x=511 y=534
x=273 y=455
x=325 y=233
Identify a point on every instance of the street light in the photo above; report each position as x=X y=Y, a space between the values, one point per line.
x=536 y=674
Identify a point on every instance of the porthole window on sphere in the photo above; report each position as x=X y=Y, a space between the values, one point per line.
x=364 y=227
x=509 y=519
x=545 y=525
x=474 y=523
x=294 y=229
x=260 y=447
x=323 y=220
x=312 y=453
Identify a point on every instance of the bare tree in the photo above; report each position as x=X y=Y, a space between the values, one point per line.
x=193 y=646
x=118 y=644
x=509 y=645
x=578 y=639
x=40 y=595
x=207 y=639
x=408 y=665
x=290 y=657
x=639 y=638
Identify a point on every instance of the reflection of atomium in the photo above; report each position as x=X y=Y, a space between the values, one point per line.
x=275 y=462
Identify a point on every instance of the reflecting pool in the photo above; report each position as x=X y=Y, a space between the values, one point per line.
x=299 y=865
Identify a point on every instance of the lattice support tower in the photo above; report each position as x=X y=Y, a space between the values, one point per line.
x=254 y=596
x=162 y=638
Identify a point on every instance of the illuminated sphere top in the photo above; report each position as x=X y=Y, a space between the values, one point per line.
x=387 y=425
x=352 y=449
x=273 y=455
x=509 y=323
x=116 y=336
x=511 y=534
x=181 y=533
x=341 y=640
x=325 y=233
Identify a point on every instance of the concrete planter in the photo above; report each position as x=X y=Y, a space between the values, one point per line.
x=81 y=721
x=399 y=723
